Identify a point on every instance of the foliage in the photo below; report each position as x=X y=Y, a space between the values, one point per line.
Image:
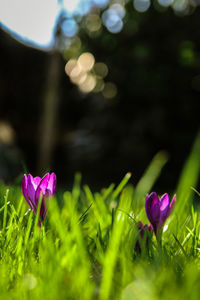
x=85 y=249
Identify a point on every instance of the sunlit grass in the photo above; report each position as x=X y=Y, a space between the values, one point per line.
x=85 y=248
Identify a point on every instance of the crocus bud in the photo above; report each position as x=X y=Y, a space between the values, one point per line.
x=35 y=187
x=145 y=233
x=158 y=210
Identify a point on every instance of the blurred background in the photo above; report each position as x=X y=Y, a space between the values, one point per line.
x=98 y=86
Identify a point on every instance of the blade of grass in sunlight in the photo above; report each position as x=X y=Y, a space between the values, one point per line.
x=147 y=181
x=188 y=180
x=82 y=268
x=5 y=210
x=113 y=247
x=121 y=186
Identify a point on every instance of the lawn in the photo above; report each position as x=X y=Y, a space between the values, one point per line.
x=86 y=247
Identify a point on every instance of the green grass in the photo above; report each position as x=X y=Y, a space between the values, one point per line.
x=85 y=248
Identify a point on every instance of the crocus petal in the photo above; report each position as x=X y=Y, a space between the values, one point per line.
x=150 y=227
x=145 y=231
x=140 y=224
x=31 y=189
x=51 y=188
x=24 y=187
x=164 y=208
x=155 y=212
x=141 y=227
x=152 y=207
x=25 y=191
x=36 y=181
x=148 y=202
x=41 y=189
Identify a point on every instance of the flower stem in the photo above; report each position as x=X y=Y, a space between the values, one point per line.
x=159 y=238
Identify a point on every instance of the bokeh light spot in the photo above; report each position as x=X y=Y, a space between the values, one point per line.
x=70 y=66
x=101 y=69
x=93 y=22
x=73 y=49
x=69 y=27
x=101 y=3
x=76 y=71
x=84 y=6
x=6 y=133
x=110 y=90
x=112 y=21
x=165 y=2
x=86 y=61
x=180 y=5
x=118 y=8
x=99 y=85
x=141 y=5
x=88 y=85
x=79 y=79
x=29 y=281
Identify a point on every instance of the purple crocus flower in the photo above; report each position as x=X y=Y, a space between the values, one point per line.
x=145 y=232
x=34 y=187
x=158 y=210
